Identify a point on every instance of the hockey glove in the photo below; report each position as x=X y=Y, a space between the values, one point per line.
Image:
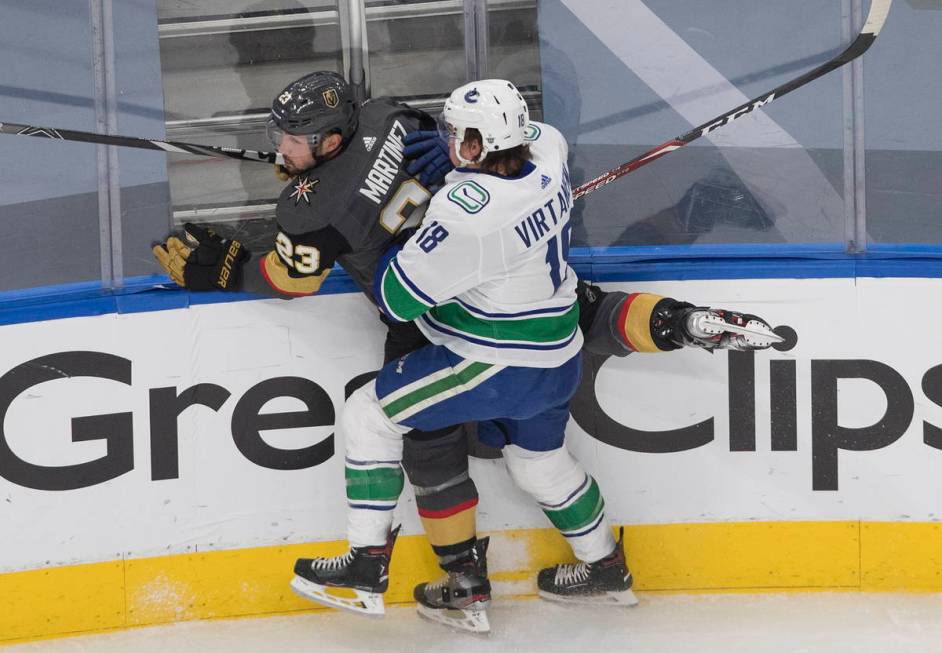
x=429 y=154
x=204 y=262
x=713 y=328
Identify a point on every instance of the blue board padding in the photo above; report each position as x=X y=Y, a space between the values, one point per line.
x=597 y=264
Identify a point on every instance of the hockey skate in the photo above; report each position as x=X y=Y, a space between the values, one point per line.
x=354 y=581
x=460 y=598
x=714 y=328
x=606 y=581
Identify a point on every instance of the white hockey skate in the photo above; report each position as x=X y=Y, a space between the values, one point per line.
x=713 y=328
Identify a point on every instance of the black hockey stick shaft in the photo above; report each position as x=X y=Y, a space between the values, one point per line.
x=875 y=19
x=141 y=143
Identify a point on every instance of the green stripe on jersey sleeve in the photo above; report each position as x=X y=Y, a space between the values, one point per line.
x=397 y=297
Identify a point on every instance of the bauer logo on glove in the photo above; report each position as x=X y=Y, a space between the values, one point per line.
x=204 y=261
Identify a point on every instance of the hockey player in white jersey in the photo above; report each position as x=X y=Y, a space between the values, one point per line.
x=487 y=281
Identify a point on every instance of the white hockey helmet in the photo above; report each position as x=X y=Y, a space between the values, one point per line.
x=492 y=106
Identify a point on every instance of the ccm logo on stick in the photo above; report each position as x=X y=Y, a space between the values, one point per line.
x=749 y=108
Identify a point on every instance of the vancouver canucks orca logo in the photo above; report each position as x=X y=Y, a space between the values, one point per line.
x=470 y=196
x=471 y=97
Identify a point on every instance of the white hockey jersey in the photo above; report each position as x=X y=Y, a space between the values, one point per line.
x=487 y=275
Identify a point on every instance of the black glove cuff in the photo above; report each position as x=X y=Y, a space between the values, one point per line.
x=216 y=266
x=228 y=271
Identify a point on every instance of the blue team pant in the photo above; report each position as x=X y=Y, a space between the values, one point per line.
x=433 y=388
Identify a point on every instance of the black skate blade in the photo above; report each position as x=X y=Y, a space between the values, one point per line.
x=466 y=621
x=369 y=604
x=625 y=598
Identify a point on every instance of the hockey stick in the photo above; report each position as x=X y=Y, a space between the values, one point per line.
x=875 y=19
x=141 y=143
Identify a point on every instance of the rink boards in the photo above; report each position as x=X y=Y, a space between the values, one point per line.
x=171 y=465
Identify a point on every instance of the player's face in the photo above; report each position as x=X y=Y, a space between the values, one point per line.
x=470 y=151
x=297 y=153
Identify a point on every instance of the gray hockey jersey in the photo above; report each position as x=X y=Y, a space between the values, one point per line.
x=347 y=210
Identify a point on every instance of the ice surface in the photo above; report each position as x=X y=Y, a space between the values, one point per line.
x=727 y=623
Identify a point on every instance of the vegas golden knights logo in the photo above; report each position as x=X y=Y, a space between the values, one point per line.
x=331 y=98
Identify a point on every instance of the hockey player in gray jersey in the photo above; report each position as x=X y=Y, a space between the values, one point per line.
x=348 y=197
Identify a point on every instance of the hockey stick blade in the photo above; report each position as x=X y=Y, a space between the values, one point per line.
x=141 y=143
x=879 y=9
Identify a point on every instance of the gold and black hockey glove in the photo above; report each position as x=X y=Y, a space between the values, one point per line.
x=202 y=260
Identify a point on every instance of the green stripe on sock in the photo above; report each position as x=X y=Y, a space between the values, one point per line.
x=379 y=484
x=582 y=512
x=437 y=387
